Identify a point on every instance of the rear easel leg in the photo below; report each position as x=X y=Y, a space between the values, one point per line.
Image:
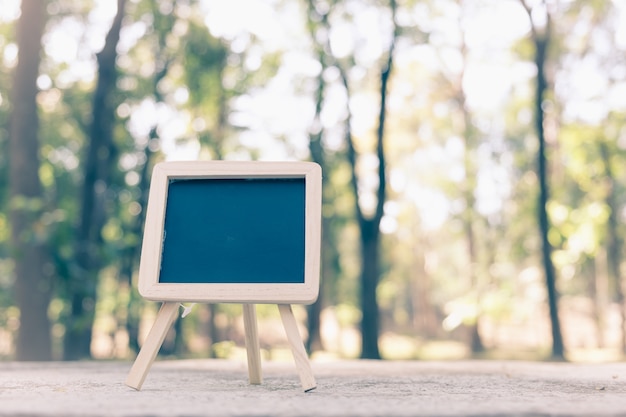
x=252 y=344
x=166 y=316
x=297 y=348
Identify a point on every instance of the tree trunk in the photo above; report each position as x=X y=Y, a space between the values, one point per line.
x=214 y=333
x=425 y=323
x=318 y=155
x=370 y=273
x=475 y=342
x=544 y=197
x=541 y=42
x=469 y=215
x=614 y=242
x=30 y=255
x=370 y=228
x=597 y=291
x=97 y=166
x=130 y=255
x=314 y=341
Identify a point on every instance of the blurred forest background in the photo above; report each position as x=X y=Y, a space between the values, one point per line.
x=473 y=156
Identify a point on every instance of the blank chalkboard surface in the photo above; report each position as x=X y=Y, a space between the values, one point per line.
x=234 y=231
x=221 y=231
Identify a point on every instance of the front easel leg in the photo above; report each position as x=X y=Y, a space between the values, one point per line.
x=297 y=347
x=166 y=316
x=252 y=344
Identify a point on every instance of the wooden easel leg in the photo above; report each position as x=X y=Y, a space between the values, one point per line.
x=297 y=348
x=166 y=316
x=252 y=344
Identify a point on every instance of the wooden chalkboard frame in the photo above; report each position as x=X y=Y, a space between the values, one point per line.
x=252 y=293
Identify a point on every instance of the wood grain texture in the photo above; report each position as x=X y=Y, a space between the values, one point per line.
x=252 y=344
x=165 y=317
x=297 y=348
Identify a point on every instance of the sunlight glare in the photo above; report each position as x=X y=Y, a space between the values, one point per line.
x=100 y=18
x=617 y=97
x=397 y=180
x=586 y=93
x=61 y=43
x=505 y=23
x=375 y=31
x=432 y=204
x=388 y=225
x=142 y=119
x=226 y=20
x=44 y=82
x=487 y=86
x=9 y=57
x=129 y=36
x=620 y=31
x=588 y=79
x=342 y=40
x=9 y=10
x=364 y=108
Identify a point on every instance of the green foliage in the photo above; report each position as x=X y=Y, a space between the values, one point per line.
x=204 y=62
x=451 y=162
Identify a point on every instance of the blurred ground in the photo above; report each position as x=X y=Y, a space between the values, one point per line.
x=345 y=388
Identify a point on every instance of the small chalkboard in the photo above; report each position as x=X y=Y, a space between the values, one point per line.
x=232 y=232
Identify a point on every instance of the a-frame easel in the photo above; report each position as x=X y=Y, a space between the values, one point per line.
x=168 y=313
x=194 y=201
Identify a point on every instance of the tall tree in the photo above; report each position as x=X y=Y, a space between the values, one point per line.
x=317 y=23
x=369 y=226
x=32 y=266
x=99 y=155
x=601 y=21
x=614 y=242
x=541 y=36
x=469 y=215
x=129 y=256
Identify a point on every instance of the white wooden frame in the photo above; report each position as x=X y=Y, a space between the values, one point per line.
x=279 y=293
